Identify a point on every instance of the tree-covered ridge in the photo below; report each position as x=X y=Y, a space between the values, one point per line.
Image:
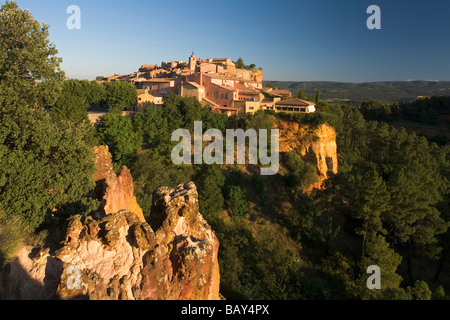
x=387 y=92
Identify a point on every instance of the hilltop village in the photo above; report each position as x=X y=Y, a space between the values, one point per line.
x=216 y=83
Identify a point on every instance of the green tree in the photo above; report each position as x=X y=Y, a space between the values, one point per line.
x=237 y=201
x=191 y=110
x=28 y=61
x=420 y=291
x=353 y=140
x=116 y=131
x=368 y=200
x=150 y=171
x=301 y=174
x=154 y=128
x=439 y=293
x=47 y=169
x=416 y=188
x=380 y=254
x=90 y=92
x=70 y=108
x=239 y=63
x=301 y=95
x=120 y=94
x=210 y=181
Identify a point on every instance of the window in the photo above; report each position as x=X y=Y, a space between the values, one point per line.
x=226 y=96
x=216 y=95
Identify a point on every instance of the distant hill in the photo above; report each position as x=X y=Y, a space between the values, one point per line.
x=355 y=93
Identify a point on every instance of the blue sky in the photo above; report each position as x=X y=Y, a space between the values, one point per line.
x=303 y=40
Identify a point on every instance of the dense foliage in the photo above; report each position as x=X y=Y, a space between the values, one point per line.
x=45 y=158
x=387 y=206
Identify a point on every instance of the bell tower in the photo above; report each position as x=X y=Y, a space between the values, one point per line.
x=192 y=62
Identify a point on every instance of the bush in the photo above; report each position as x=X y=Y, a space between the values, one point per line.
x=15 y=233
x=301 y=173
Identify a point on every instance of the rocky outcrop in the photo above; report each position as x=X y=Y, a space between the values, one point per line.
x=252 y=75
x=315 y=144
x=114 y=192
x=174 y=256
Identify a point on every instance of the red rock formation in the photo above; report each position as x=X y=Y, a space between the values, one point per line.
x=120 y=257
x=315 y=144
x=115 y=193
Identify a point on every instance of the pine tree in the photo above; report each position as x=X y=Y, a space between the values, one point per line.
x=415 y=184
x=380 y=254
x=368 y=200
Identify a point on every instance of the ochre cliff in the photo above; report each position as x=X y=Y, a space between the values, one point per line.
x=114 y=192
x=120 y=257
x=315 y=144
x=117 y=254
x=253 y=75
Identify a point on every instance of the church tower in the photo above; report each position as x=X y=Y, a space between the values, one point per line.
x=192 y=62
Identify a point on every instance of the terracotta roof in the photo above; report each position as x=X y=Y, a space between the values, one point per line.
x=215 y=105
x=155 y=80
x=295 y=102
x=195 y=84
x=249 y=92
x=282 y=92
x=231 y=89
x=228 y=108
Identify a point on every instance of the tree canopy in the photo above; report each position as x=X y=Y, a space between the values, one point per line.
x=28 y=61
x=46 y=167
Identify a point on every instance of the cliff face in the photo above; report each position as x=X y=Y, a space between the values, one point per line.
x=254 y=75
x=114 y=192
x=121 y=256
x=316 y=145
